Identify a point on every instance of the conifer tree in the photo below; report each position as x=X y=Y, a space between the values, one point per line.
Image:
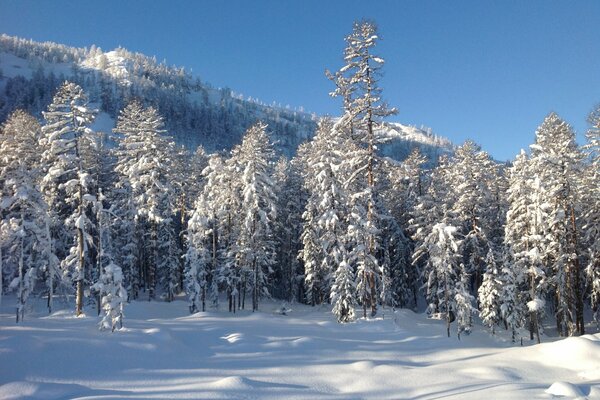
x=556 y=161
x=144 y=162
x=357 y=82
x=254 y=247
x=591 y=210
x=66 y=184
x=198 y=258
x=444 y=273
x=490 y=293
x=23 y=209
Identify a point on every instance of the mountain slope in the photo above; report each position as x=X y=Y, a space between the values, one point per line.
x=195 y=112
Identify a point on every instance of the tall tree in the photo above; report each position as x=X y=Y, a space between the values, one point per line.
x=255 y=244
x=66 y=183
x=556 y=160
x=144 y=163
x=358 y=83
x=591 y=210
x=23 y=209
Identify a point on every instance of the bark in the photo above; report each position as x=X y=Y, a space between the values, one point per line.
x=81 y=259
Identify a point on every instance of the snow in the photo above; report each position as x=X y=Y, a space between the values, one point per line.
x=565 y=389
x=103 y=122
x=112 y=64
x=12 y=66
x=163 y=352
x=536 y=305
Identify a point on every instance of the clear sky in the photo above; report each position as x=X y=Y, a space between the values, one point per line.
x=485 y=70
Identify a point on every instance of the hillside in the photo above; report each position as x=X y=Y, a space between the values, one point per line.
x=195 y=112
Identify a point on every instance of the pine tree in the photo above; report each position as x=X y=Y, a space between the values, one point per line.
x=66 y=183
x=556 y=161
x=198 y=256
x=357 y=83
x=110 y=284
x=445 y=276
x=472 y=176
x=325 y=222
x=24 y=211
x=343 y=292
x=291 y=203
x=255 y=251
x=222 y=204
x=113 y=296
x=525 y=239
x=463 y=303
x=512 y=306
x=490 y=293
x=591 y=210
x=144 y=162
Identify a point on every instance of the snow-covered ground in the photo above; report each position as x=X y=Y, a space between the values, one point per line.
x=165 y=353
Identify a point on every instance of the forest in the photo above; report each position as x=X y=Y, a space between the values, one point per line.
x=103 y=219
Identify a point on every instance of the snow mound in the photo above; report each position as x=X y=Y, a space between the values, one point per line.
x=580 y=352
x=232 y=383
x=565 y=389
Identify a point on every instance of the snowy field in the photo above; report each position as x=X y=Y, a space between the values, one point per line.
x=165 y=353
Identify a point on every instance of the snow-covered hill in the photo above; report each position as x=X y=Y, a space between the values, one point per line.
x=195 y=112
x=163 y=352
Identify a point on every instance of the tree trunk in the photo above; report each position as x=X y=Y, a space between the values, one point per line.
x=255 y=286
x=447 y=301
x=577 y=272
x=152 y=265
x=364 y=295
x=1 y=277
x=20 y=306
x=243 y=293
x=81 y=259
x=50 y=271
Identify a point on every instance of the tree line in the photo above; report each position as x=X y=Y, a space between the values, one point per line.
x=337 y=223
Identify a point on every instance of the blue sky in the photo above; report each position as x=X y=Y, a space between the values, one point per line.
x=485 y=70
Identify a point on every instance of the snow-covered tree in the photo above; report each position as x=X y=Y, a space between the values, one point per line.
x=343 y=292
x=463 y=302
x=490 y=292
x=255 y=245
x=557 y=162
x=110 y=283
x=23 y=228
x=292 y=199
x=591 y=210
x=198 y=257
x=66 y=183
x=357 y=82
x=472 y=176
x=221 y=204
x=144 y=162
x=113 y=297
x=525 y=239
x=325 y=224
x=443 y=272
